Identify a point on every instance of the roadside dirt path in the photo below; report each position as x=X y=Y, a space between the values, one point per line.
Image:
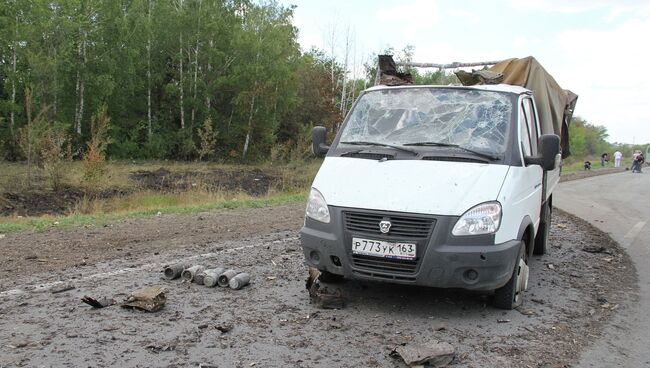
x=271 y=322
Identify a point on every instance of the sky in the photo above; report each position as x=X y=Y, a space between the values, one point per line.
x=597 y=49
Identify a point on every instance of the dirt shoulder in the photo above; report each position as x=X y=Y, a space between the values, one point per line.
x=28 y=252
x=572 y=294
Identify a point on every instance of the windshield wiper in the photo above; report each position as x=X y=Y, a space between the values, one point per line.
x=440 y=144
x=366 y=143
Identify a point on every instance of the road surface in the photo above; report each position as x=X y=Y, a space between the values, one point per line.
x=618 y=204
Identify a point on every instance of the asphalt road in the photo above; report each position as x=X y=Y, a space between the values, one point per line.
x=618 y=204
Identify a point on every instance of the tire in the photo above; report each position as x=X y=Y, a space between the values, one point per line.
x=332 y=278
x=510 y=295
x=541 y=239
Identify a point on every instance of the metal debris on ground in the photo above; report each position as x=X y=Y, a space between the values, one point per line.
x=224 y=328
x=174 y=271
x=224 y=278
x=432 y=354
x=61 y=288
x=189 y=273
x=98 y=303
x=212 y=276
x=149 y=299
x=199 y=277
x=593 y=249
x=239 y=281
x=321 y=295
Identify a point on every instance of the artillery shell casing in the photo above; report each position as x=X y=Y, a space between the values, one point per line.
x=225 y=277
x=174 y=271
x=239 y=281
x=212 y=276
x=189 y=273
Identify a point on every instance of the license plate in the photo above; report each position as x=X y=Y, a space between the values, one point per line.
x=380 y=248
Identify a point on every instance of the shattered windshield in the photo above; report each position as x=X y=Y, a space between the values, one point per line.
x=472 y=119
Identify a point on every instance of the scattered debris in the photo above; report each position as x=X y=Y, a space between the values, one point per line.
x=189 y=273
x=551 y=266
x=150 y=299
x=503 y=321
x=433 y=354
x=593 y=249
x=561 y=226
x=211 y=276
x=157 y=348
x=322 y=296
x=224 y=328
x=61 y=288
x=224 y=278
x=527 y=312
x=440 y=326
x=239 y=281
x=174 y=271
x=98 y=303
x=199 y=277
x=2 y=236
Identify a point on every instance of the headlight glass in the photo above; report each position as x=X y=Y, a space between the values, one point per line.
x=317 y=207
x=482 y=219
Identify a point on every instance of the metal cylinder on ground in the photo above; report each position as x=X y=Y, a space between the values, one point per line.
x=225 y=277
x=174 y=271
x=189 y=273
x=239 y=281
x=212 y=276
x=198 y=277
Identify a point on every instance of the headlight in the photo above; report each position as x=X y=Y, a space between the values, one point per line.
x=482 y=219
x=317 y=207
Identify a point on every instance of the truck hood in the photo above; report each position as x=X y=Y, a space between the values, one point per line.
x=415 y=186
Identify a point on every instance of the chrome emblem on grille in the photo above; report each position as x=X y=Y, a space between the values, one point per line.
x=384 y=226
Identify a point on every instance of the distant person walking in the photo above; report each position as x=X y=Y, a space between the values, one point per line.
x=638 y=162
x=604 y=158
x=617 y=158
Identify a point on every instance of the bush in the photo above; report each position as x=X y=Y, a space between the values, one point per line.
x=94 y=158
x=56 y=153
x=207 y=140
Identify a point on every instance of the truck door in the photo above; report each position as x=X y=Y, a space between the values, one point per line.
x=532 y=175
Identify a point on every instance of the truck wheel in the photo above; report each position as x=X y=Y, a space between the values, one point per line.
x=542 y=234
x=510 y=295
x=332 y=278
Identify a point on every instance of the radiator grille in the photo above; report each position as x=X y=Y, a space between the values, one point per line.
x=401 y=226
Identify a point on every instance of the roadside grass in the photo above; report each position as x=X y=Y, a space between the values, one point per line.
x=290 y=184
x=153 y=208
x=572 y=164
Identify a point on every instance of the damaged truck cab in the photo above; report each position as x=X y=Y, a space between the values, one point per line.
x=438 y=186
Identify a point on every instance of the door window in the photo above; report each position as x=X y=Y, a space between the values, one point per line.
x=531 y=121
x=523 y=133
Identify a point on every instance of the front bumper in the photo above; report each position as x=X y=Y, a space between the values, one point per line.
x=444 y=261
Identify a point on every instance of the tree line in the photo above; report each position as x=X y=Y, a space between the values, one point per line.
x=179 y=79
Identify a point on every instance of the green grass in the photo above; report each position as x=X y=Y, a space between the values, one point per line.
x=572 y=164
x=12 y=225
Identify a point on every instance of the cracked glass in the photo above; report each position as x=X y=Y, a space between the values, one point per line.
x=473 y=119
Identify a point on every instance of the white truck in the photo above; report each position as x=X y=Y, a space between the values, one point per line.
x=440 y=186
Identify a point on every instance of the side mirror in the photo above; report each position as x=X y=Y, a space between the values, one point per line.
x=318 y=146
x=549 y=148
